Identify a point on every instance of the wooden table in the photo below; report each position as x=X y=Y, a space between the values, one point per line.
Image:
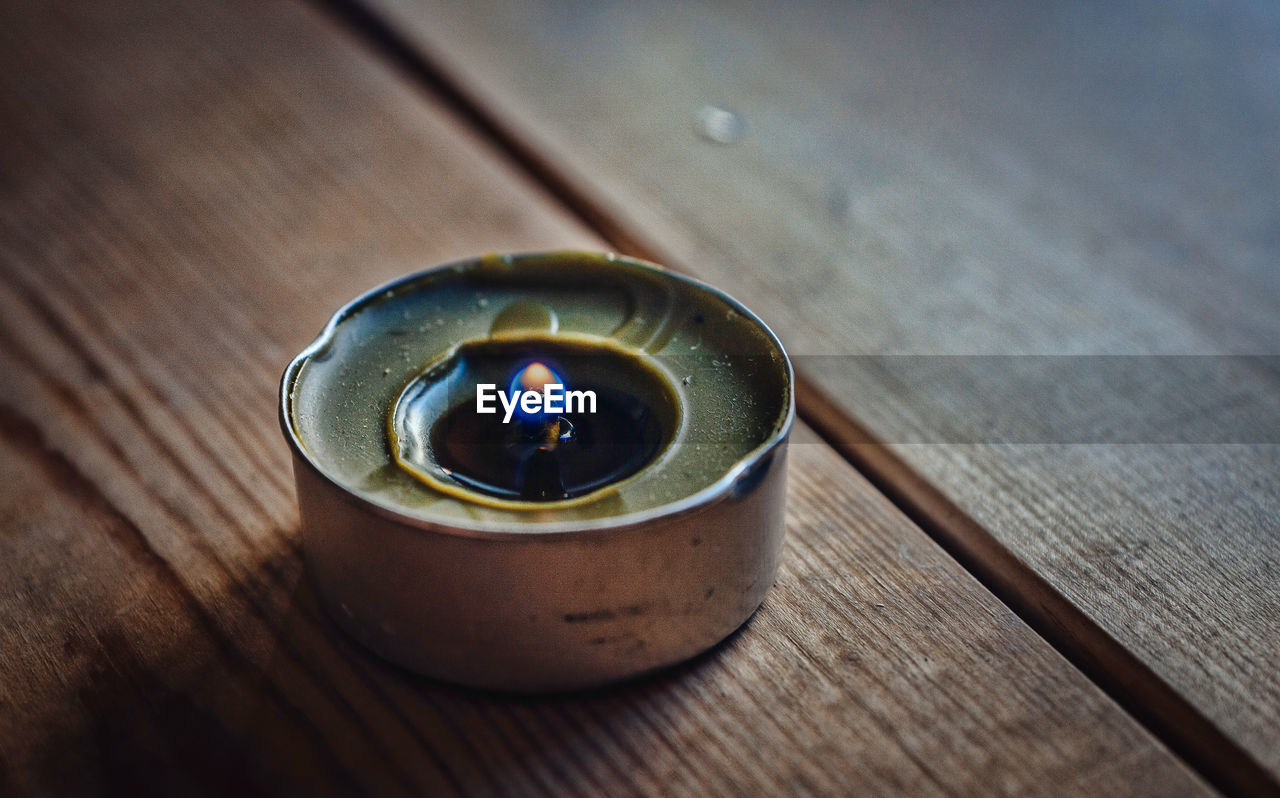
x=1013 y=567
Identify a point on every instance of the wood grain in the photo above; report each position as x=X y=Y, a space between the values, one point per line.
x=926 y=198
x=188 y=191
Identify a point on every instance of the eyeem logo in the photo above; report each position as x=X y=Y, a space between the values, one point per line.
x=535 y=391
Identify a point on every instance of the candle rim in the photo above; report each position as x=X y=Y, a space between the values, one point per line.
x=758 y=456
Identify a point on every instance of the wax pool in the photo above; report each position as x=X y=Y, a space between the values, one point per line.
x=553 y=456
x=687 y=387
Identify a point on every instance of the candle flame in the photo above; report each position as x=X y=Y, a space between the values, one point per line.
x=534 y=377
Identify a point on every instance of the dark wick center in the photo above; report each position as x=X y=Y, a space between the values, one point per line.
x=547 y=458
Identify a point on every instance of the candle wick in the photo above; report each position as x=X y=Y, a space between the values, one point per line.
x=554 y=432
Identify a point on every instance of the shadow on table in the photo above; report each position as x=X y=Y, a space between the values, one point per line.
x=435 y=735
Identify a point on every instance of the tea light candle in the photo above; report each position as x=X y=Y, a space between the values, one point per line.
x=543 y=471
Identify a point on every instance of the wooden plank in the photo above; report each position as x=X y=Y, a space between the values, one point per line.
x=189 y=189
x=921 y=192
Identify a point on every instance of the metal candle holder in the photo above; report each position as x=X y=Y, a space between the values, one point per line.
x=552 y=592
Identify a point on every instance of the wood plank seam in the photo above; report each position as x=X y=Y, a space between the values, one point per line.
x=1120 y=674
x=1125 y=678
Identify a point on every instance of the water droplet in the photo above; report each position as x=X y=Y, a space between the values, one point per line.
x=386 y=371
x=720 y=125
x=687 y=381
x=840 y=203
x=482 y=302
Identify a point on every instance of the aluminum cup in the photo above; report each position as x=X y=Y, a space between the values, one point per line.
x=550 y=599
